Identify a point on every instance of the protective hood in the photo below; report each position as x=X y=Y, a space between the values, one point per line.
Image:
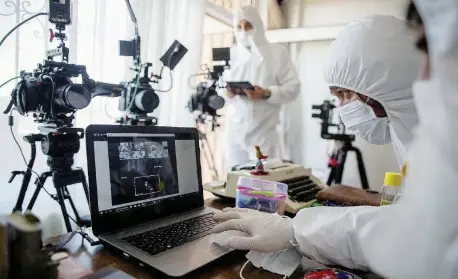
x=251 y=14
x=376 y=57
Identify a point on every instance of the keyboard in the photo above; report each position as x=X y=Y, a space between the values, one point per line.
x=302 y=188
x=168 y=237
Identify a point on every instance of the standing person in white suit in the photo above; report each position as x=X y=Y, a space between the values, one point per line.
x=252 y=119
x=418 y=236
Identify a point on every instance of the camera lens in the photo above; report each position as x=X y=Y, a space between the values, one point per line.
x=74 y=96
x=147 y=101
x=216 y=102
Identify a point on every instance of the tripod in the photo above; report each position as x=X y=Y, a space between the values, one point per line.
x=337 y=164
x=61 y=172
x=208 y=153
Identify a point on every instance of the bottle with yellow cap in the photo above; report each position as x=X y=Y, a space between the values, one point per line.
x=391 y=188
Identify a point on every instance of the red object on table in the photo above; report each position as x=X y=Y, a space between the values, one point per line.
x=321 y=274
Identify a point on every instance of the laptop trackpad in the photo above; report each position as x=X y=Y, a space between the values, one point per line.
x=192 y=255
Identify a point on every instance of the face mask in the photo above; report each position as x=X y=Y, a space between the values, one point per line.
x=244 y=38
x=360 y=119
x=282 y=262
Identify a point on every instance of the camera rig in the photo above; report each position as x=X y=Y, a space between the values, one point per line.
x=206 y=99
x=207 y=102
x=48 y=91
x=343 y=145
x=326 y=115
x=138 y=98
x=52 y=97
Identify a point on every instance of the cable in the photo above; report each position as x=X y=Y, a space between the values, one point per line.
x=61 y=245
x=137 y=84
x=192 y=76
x=11 y=79
x=106 y=110
x=243 y=267
x=19 y=25
x=171 y=84
x=34 y=172
x=25 y=161
x=53 y=113
x=241 y=270
x=170 y=72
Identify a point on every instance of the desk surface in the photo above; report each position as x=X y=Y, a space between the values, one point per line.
x=96 y=257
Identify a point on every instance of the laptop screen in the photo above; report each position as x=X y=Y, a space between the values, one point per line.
x=139 y=174
x=143 y=170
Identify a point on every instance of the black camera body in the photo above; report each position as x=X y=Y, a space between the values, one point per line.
x=50 y=94
x=141 y=99
x=325 y=114
x=206 y=99
x=48 y=91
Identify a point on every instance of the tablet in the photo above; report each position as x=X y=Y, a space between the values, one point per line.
x=237 y=87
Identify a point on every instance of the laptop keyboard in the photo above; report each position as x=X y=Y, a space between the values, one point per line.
x=168 y=237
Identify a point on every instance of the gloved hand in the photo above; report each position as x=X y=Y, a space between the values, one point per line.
x=268 y=232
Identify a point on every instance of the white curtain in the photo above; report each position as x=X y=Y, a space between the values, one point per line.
x=93 y=41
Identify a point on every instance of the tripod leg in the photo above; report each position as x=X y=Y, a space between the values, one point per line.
x=72 y=204
x=61 y=201
x=332 y=176
x=362 y=169
x=39 y=183
x=341 y=158
x=85 y=185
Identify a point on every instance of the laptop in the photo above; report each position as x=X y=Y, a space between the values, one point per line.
x=146 y=196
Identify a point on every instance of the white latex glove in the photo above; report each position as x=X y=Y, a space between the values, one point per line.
x=267 y=232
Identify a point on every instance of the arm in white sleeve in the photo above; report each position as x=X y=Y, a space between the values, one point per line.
x=288 y=87
x=417 y=237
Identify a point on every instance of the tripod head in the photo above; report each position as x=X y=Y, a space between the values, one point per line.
x=325 y=114
x=60 y=145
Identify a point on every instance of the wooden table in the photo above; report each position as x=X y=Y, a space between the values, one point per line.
x=227 y=267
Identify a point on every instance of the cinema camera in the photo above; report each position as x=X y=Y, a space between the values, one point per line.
x=52 y=97
x=206 y=100
x=137 y=97
x=343 y=141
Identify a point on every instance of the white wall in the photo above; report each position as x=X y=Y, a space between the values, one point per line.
x=309 y=149
x=301 y=13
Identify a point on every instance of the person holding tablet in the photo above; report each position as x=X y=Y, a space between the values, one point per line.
x=253 y=112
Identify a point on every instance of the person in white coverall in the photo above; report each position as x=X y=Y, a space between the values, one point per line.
x=371 y=68
x=252 y=119
x=418 y=236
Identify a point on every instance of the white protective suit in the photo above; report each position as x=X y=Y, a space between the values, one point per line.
x=376 y=57
x=269 y=66
x=418 y=236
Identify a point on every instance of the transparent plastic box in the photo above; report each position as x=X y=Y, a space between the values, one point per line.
x=262 y=195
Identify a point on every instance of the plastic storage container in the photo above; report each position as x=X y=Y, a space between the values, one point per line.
x=391 y=188
x=262 y=195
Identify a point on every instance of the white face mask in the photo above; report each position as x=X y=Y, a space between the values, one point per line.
x=360 y=119
x=244 y=38
x=283 y=262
